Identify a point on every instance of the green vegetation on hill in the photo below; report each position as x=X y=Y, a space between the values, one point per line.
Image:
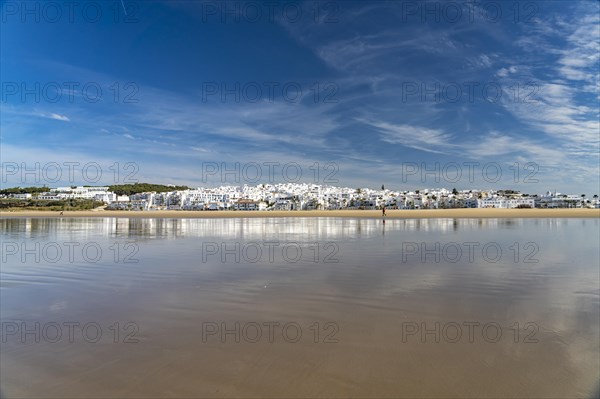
x=128 y=189
x=48 y=205
x=24 y=190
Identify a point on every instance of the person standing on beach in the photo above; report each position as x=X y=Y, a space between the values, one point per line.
x=383 y=211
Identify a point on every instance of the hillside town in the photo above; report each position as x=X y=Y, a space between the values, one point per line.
x=295 y=197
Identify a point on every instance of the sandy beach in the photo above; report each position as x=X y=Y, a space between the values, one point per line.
x=390 y=214
x=207 y=305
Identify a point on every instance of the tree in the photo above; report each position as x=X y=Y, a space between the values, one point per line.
x=129 y=189
x=454 y=191
x=24 y=190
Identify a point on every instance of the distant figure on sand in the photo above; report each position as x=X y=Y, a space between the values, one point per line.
x=61 y=213
x=383 y=211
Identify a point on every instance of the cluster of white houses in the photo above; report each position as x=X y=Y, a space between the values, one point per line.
x=294 y=196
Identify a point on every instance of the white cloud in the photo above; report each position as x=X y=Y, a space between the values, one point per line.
x=496 y=144
x=579 y=60
x=555 y=111
x=420 y=138
x=559 y=107
x=367 y=52
x=56 y=117
x=504 y=72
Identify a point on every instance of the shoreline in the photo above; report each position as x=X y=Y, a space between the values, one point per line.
x=370 y=214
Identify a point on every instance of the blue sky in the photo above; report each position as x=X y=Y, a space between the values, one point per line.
x=387 y=89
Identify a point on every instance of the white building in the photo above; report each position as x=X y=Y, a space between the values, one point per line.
x=78 y=192
x=504 y=203
x=25 y=196
x=107 y=197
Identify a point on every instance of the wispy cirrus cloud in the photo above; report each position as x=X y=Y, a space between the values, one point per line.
x=56 y=117
x=579 y=60
x=494 y=144
x=560 y=105
x=420 y=138
x=374 y=125
x=40 y=114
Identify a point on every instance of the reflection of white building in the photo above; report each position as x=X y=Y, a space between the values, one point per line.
x=310 y=229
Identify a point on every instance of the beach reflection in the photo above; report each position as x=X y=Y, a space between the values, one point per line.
x=365 y=283
x=258 y=228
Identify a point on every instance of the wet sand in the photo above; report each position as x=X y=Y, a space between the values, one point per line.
x=390 y=214
x=370 y=293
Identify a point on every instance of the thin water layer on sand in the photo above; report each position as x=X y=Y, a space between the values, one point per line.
x=302 y=307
